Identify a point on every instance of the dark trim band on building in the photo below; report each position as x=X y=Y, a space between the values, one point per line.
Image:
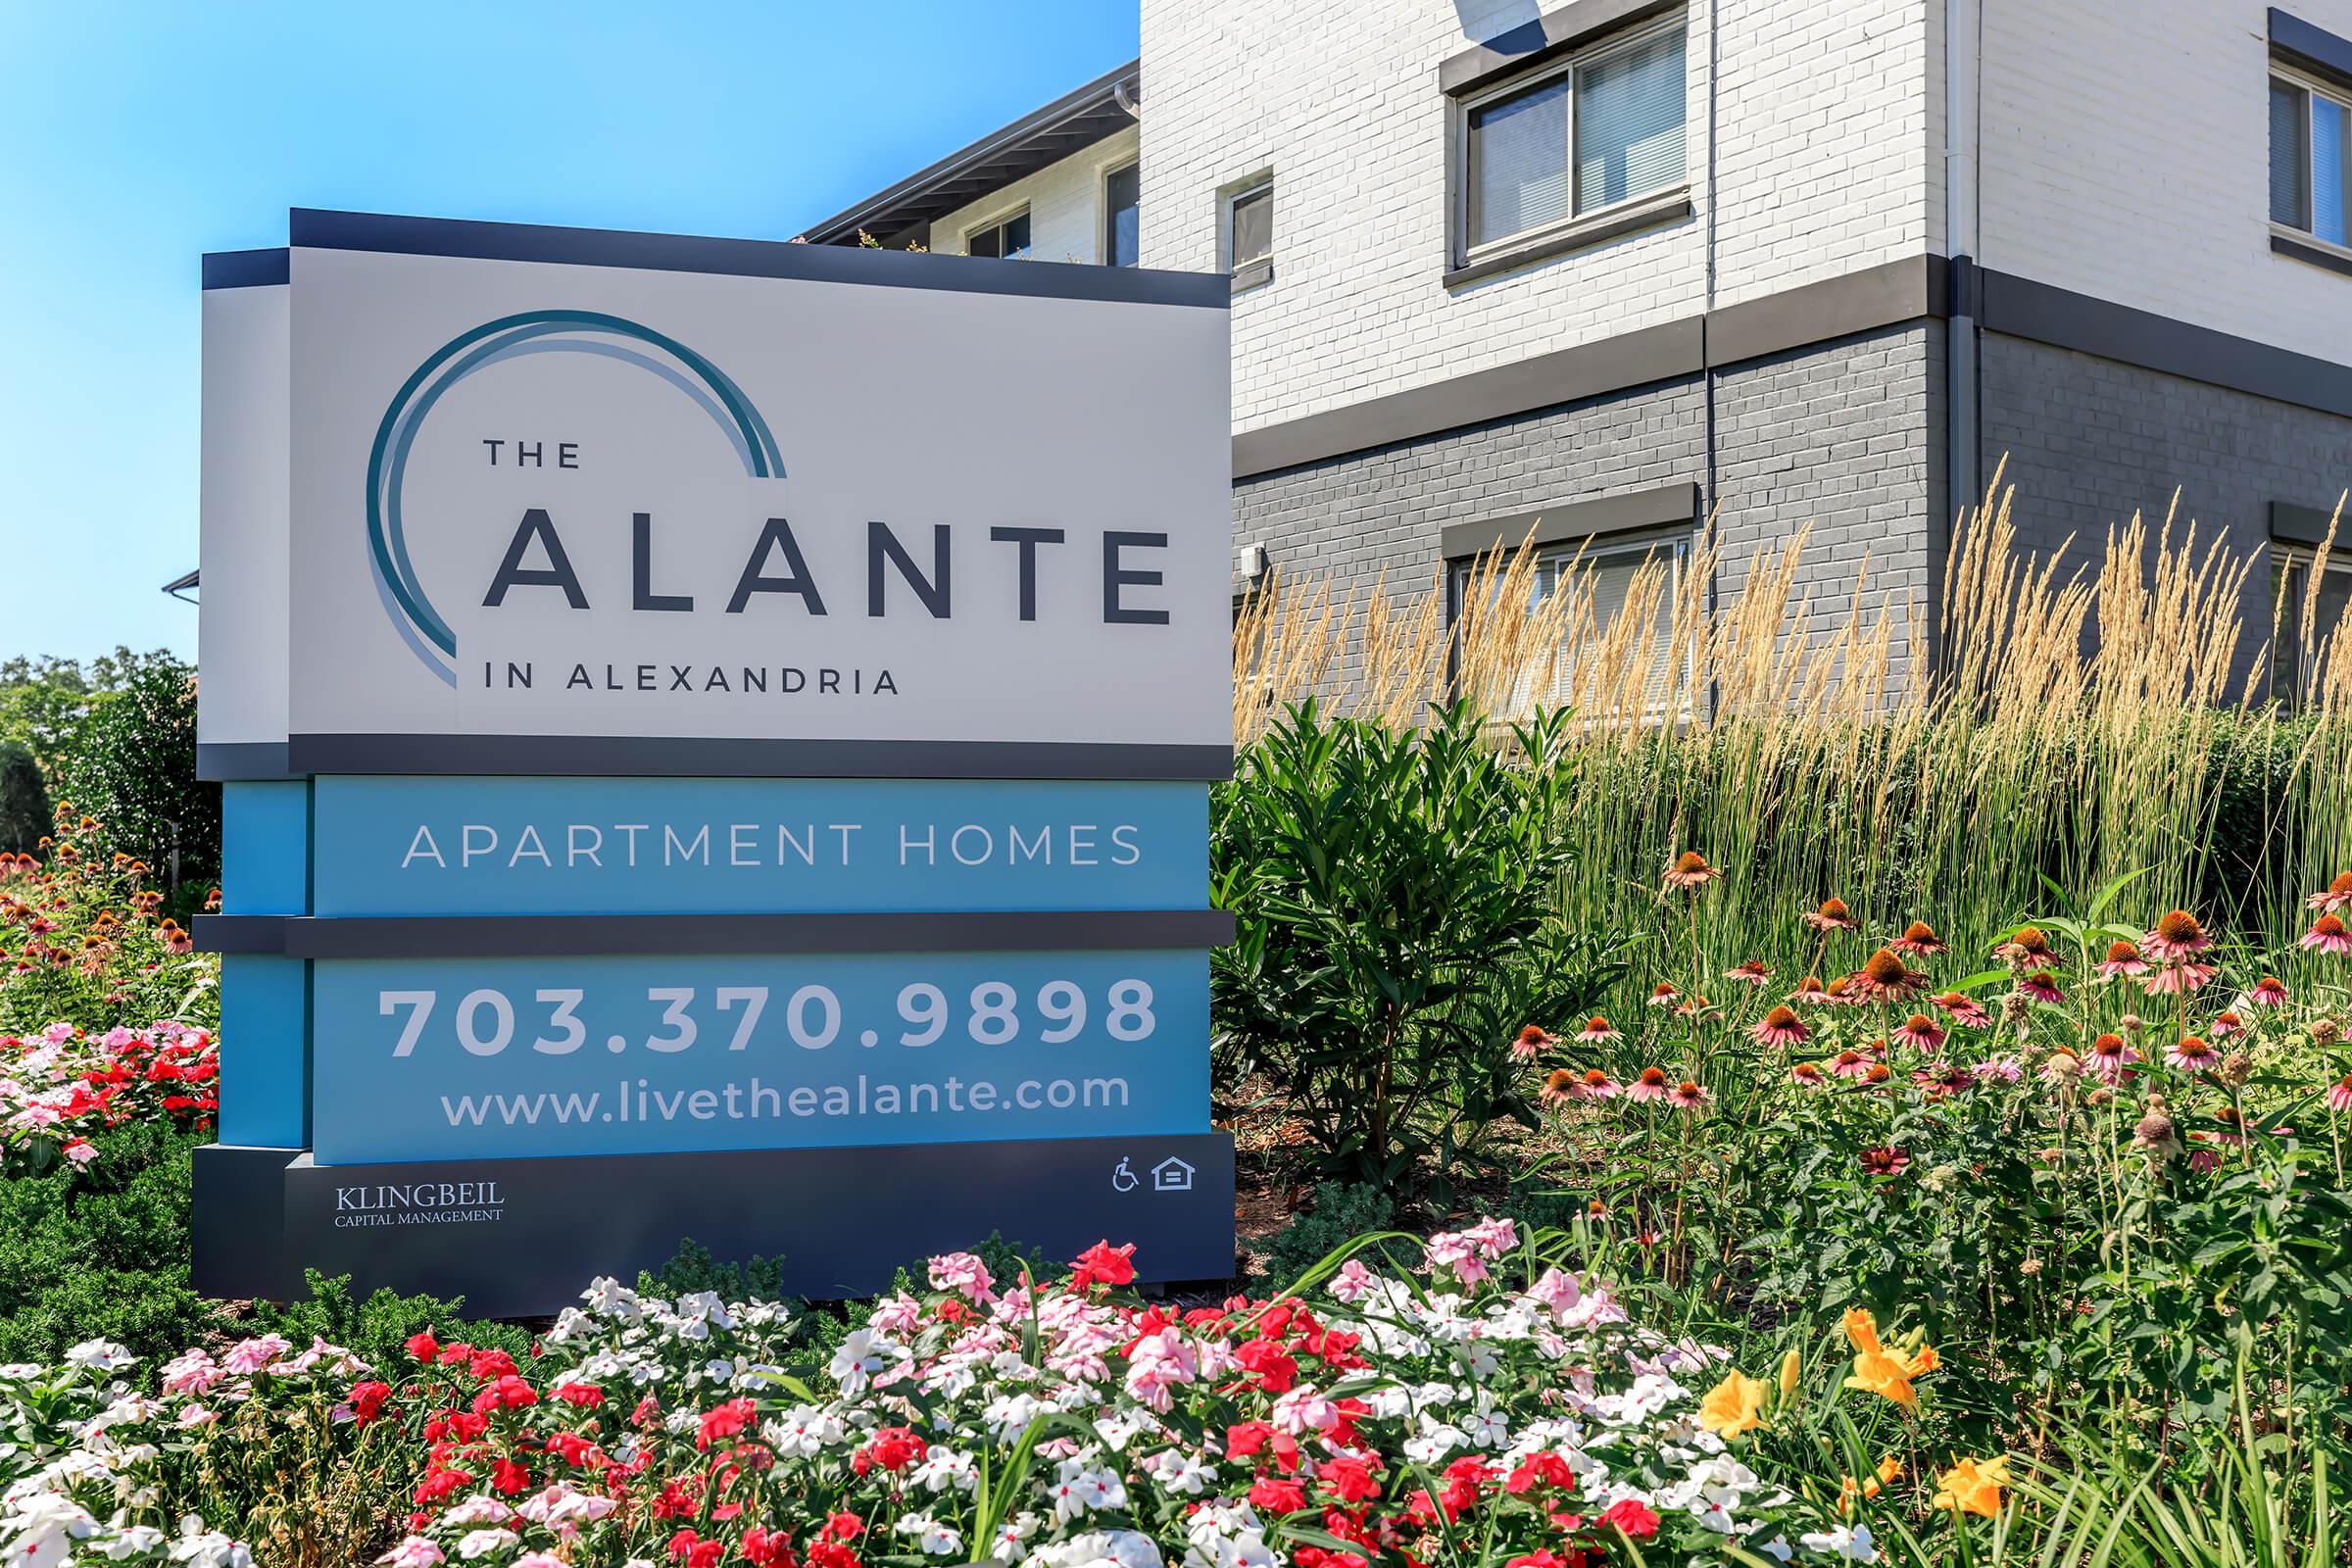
x=2299 y=524
x=1874 y=299
x=313 y=230
x=533 y=936
x=632 y=755
x=245 y=269
x=1553 y=33
x=2316 y=255
x=240 y=761
x=1656 y=508
x=2312 y=47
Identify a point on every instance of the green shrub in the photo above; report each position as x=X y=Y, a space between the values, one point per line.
x=132 y=766
x=24 y=800
x=1341 y=1213
x=1394 y=894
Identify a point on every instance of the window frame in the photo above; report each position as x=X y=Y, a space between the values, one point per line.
x=2286 y=557
x=1110 y=172
x=1679 y=539
x=998 y=222
x=1257 y=269
x=1468 y=259
x=2299 y=242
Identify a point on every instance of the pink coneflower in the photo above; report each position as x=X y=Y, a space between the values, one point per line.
x=1809 y=1076
x=1596 y=1031
x=1832 y=915
x=1651 y=1083
x=1531 y=1043
x=1596 y=1085
x=1691 y=872
x=2123 y=957
x=1752 y=972
x=2179 y=977
x=1918 y=938
x=1919 y=1031
x=1878 y=1072
x=2267 y=991
x=1689 y=1096
x=1560 y=1087
x=1695 y=1007
x=2203 y=1158
x=2340 y=1095
x=2192 y=1056
x=2177 y=936
x=1809 y=992
x=1664 y=995
x=1840 y=992
x=2032 y=945
x=2041 y=986
x=1780 y=1027
x=2327 y=935
x=1963 y=1010
x=2337 y=897
x=1850 y=1063
x=1944 y=1079
x=2111 y=1058
x=1887 y=1161
x=1886 y=978
x=2227 y=1023
x=2232 y=1129
x=2001 y=1070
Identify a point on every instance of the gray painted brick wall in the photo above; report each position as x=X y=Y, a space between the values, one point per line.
x=1845 y=435
x=2089 y=442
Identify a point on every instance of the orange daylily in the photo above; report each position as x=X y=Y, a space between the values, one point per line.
x=1883 y=1370
x=1971 y=1486
x=1734 y=1405
x=1849 y=1491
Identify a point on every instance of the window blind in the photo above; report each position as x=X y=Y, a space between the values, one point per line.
x=1519 y=162
x=1629 y=123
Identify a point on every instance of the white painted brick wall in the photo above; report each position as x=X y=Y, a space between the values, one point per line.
x=1065 y=202
x=1822 y=123
x=2126 y=155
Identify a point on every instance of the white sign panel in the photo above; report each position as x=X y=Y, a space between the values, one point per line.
x=863 y=507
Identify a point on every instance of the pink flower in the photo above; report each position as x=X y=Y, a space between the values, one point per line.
x=81 y=1150
x=1650 y=1084
x=2328 y=935
x=1920 y=1033
x=2337 y=897
x=1664 y=995
x=1353 y=1282
x=57 y=1033
x=2111 y=1058
x=1596 y=1031
x=1531 y=1043
x=1752 y=972
x=2226 y=1024
x=1963 y=1008
x=2004 y=1070
x=1558 y=1291
x=1689 y=1095
x=2340 y=1095
x=190 y=1373
x=1780 y=1027
x=1809 y=1076
x=1809 y=992
x=963 y=1274
x=2177 y=936
x=2192 y=1056
x=2123 y=959
x=2179 y=977
x=248 y=1356
x=2041 y=986
x=2267 y=991
x=1850 y=1063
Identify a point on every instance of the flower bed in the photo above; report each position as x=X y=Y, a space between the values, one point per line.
x=61 y=1085
x=1483 y=1400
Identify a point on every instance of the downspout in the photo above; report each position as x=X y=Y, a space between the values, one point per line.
x=1962 y=24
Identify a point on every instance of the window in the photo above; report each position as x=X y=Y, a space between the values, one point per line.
x=1250 y=234
x=1007 y=237
x=1597 y=133
x=1585 y=590
x=2311 y=160
x=2294 y=665
x=2310 y=157
x=1122 y=232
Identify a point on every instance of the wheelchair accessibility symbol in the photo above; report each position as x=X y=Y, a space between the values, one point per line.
x=1123 y=1180
x=1170 y=1175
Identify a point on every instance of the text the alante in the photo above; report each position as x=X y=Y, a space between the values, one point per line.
x=775 y=569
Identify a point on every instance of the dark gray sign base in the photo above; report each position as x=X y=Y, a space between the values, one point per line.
x=524 y=1237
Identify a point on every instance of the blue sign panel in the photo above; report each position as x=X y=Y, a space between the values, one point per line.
x=489 y=1059
x=667 y=846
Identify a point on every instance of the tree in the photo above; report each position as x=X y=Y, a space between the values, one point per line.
x=23 y=801
x=133 y=765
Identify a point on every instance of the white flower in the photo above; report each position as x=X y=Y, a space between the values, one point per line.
x=1851 y=1542
x=1079 y=1486
x=479 y=1509
x=131 y=1540
x=944 y=1467
x=861 y=1355
x=208 y=1549
x=1181 y=1470
x=803 y=1432
x=1776 y=1548
x=935 y=1539
x=100 y=1356
x=482 y=1542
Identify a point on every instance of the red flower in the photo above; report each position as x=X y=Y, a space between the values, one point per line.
x=1349 y=1479
x=841 y=1527
x=505 y=1393
x=587 y=1395
x=1277 y=1496
x=726 y=1421
x=440 y=1482
x=423 y=1347
x=367 y=1402
x=509 y=1478
x=695 y=1553
x=891 y=1448
x=1103 y=1263
x=1317 y=1557
x=490 y=1365
x=1544 y=1469
x=1631 y=1517
x=767 y=1548
x=1267 y=1361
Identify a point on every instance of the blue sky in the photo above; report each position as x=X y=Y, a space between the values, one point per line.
x=134 y=138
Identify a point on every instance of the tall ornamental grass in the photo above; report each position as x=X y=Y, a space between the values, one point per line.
x=2088 y=716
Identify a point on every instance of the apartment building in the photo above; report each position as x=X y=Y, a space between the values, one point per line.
x=1603 y=270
